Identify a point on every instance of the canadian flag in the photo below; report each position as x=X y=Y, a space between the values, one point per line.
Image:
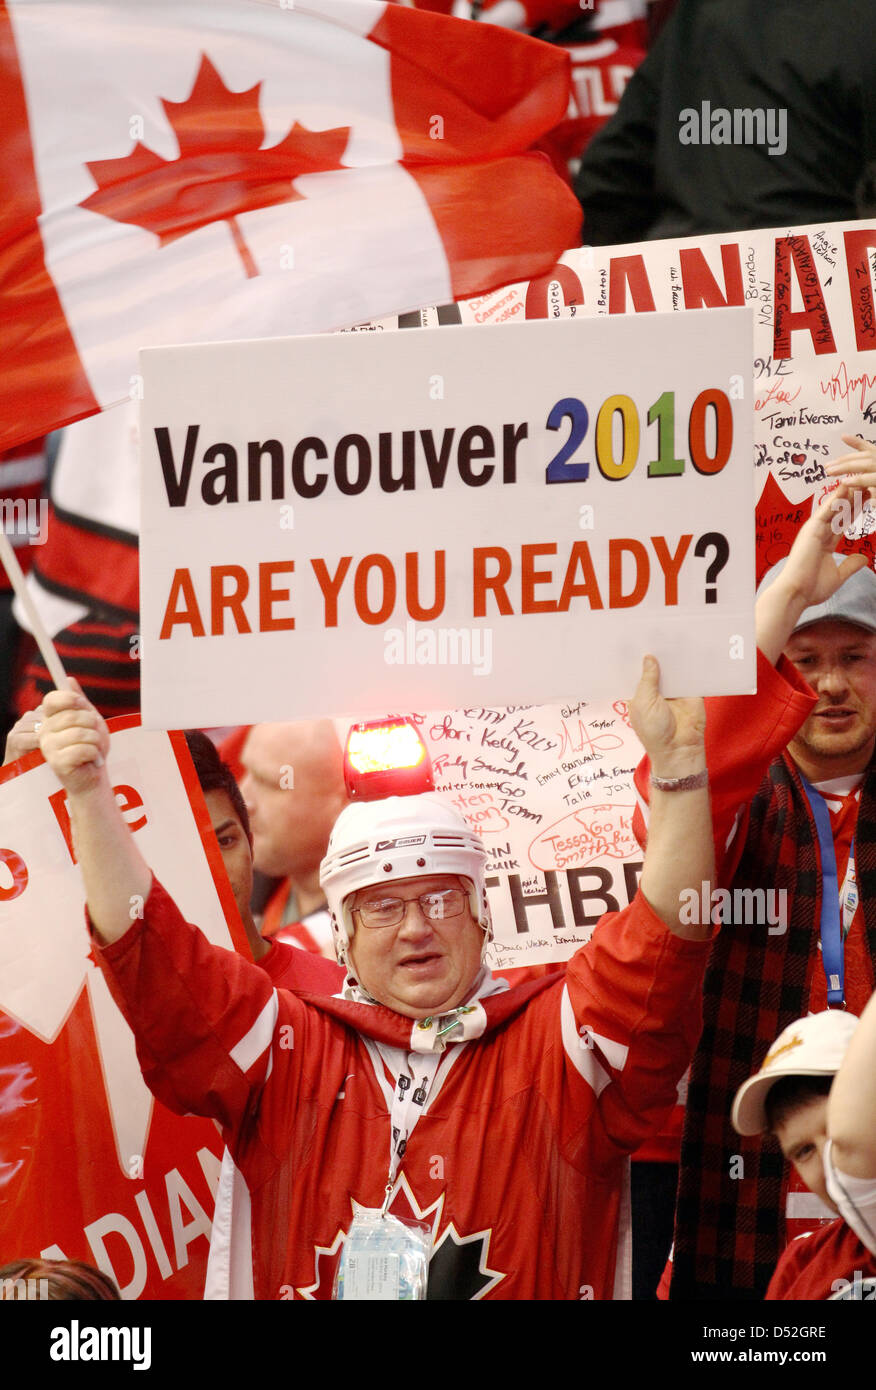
x=197 y=170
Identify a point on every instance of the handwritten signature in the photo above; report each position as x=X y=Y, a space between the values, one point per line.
x=841 y=386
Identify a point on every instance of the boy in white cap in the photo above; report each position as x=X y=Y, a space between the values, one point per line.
x=815 y=1096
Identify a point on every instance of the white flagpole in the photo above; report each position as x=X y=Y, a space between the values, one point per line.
x=9 y=560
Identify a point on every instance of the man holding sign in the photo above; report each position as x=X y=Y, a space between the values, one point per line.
x=425 y=1112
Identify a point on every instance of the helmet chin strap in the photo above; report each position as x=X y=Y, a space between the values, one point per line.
x=480 y=914
x=487 y=929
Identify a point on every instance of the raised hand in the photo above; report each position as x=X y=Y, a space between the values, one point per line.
x=857 y=469
x=680 y=853
x=74 y=740
x=810 y=574
x=24 y=736
x=672 y=731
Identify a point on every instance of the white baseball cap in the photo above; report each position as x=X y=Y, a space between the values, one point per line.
x=813 y=1046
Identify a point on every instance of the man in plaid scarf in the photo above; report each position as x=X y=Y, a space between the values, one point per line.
x=796 y=756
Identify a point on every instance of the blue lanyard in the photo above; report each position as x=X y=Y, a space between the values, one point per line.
x=831 y=919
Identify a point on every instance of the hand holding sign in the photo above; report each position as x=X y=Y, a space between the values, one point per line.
x=75 y=743
x=74 y=739
x=672 y=731
x=24 y=736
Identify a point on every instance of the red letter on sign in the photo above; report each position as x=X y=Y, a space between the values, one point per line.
x=616 y=596
x=18 y=869
x=814 y=318
x=58 y=803
x=383 y=564
x=858 y=246
x=530 y=577
x=588 y=588
x=536 y=306
x=496 y=582
x=629 y=270
x=671 y=564
x=129 y=800
x=700 y=285
x=268 y=596
x=190 y=613
x=412 y=586
x=219 y=600
x=331 y=585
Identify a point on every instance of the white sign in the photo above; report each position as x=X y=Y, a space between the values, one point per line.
x=549 y=790
x=365 y=523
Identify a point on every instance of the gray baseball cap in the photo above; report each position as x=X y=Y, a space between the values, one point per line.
x=853 y=602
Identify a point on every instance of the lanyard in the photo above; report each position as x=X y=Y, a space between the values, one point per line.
x=831 y=922
x=415 y=1076
x=850 y=892
x=409 y=1095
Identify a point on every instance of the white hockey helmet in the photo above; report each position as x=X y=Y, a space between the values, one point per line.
x=399 y=837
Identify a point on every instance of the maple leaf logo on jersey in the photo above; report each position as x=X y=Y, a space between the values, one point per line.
x=458 y=1265
x=221 y=171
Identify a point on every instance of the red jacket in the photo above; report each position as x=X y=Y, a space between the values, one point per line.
x=827 y=1263
x=743 y=736
x=518 y=1158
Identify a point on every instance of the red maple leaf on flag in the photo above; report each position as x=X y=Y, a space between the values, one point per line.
x=221 y=171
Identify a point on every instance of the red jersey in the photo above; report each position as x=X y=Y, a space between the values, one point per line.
x=516 y=1158
x=738 y=754
x=290 y=967
x=600 y=72
x=828 y=1263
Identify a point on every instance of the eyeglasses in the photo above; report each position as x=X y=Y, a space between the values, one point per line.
x=435 y=907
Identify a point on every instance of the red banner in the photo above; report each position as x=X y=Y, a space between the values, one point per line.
x=91 y=1167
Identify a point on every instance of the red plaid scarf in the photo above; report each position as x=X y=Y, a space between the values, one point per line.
x=729 y=1224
